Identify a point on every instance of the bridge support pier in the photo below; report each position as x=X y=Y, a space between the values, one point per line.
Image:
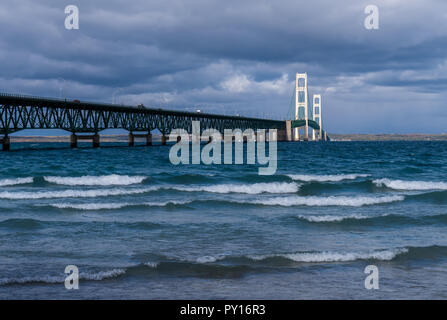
x=73 y=141
x=95 y=140
x=6 y=143
x=306 y=132
x=132 y=137
x=289 y=133
x=296 y=134
x=131 y=140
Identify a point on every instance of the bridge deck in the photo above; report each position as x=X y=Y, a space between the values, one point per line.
x=18 y=112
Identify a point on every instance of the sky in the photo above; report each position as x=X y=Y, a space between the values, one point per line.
x=237 y=57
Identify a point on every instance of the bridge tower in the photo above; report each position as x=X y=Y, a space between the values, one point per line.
x=316 y=113
x=301 y=103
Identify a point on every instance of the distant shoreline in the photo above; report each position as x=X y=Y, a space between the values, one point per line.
x=388 y=137
x=334 y=137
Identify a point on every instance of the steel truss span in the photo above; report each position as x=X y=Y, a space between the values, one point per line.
x=19 y=112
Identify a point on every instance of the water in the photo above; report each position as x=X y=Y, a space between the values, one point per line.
x=138 y=227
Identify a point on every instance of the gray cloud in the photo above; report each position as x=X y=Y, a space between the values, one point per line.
x=237 y=57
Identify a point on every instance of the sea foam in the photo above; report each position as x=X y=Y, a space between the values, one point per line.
x=410 y=185
x=326 y=201
x=326 y=178
x=328 y=256
x=108 y=180
x=332 y=218
x=73 y=193
x=98 y=276
x=16 y=181
x=255 y=188
x=105 y=206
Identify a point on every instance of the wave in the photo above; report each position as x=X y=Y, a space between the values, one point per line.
x=16 y=181
x=328 y=256
x=151 y=264
x=101 y=275
x=280 y=259
x=228 y=266
x=108 y=180
x=332 y=218
x=255 y=188
x=111 y=206
x=410 y=185
x=363 y=220
x=98 y=276
x=326 y=178
x=326 y=201
x=73 y=193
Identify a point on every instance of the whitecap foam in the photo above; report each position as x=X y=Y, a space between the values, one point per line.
x=255 y=188
x=111 y=206
x=101 y=275
x=331 y=218
x=108 y=180
x=411 y=185
x=326 y=178
x=16 y=181
x=326 y=201
x=90 y=206
x=209 y=259
x=73 y=193
x=98 y=276
x=151 y=264
x=328 y=256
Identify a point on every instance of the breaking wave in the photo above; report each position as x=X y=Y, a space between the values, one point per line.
x=326 y=201
x=332 y=218
x=151 y=264
x=410 y=185
x=255 y=188
x=111 y=206
x=108 y=180
x=228 y=266
x=98 y=276
x=328 y=256
x=73 y=193
x=16 y=181
x=326 y=178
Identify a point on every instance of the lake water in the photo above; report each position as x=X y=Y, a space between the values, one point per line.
x=137 y=226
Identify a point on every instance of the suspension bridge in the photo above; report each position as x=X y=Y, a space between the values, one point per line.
x=85 y=120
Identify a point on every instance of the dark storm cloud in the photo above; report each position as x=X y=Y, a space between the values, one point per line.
x=235 y=56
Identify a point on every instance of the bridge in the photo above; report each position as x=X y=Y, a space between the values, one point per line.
x=18 y=112
x=299 y=113
x=85 y=120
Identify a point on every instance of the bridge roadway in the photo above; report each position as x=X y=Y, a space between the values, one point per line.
x=19 y=112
